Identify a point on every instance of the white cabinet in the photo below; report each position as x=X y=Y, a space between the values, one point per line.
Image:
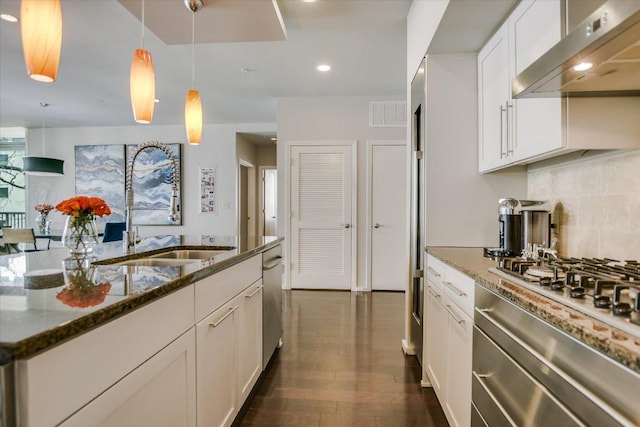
x=216 y=351
x=513 y=130
x=228 y=341
x=250 y=339
x=161 y=392
x=85 y=367
x=448 y=338
x=525 y=130
x=493 y=101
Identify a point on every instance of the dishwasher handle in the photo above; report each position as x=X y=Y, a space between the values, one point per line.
x=272 y=264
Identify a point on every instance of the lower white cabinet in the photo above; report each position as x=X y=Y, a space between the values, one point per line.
x=216 y=351
x=160 y=392
x=250 y=339
x=457 y=405
x=448 y=339
x=229 y=357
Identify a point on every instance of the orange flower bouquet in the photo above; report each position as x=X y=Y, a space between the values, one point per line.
x=80 y=233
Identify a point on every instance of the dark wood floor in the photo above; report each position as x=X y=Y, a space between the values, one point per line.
x=342 y=365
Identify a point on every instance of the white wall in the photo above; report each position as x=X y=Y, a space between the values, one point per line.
x=462 y=205
x=331 y=118
x=218 y=147
x=422 y=23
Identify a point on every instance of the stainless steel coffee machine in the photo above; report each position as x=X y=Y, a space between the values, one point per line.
x=536 y=229
x=520 y=229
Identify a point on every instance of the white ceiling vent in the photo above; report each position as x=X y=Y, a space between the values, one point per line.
x=387 y=114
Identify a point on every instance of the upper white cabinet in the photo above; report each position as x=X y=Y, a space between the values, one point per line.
x=513 y=130
x=493 y=101
x=526 y=130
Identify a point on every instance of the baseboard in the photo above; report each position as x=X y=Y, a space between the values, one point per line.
x=408 y=349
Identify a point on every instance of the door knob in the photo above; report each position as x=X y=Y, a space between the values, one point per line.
x=376 y=225
x=346 y=225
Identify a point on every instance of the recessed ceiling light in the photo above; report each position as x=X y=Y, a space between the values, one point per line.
x=323 y=67
x=309 y=1
x=274 y=139
x=583 y=66
x=156 y=100
x=8 y=18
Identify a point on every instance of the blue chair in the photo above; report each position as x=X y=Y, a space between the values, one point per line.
x=113 y=231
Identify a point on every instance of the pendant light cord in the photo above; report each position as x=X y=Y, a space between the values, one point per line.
x=44 y=106
x=142 y=29
x=193 y=49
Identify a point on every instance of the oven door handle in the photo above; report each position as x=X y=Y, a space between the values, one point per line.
x=484 y=313
x=480 y=379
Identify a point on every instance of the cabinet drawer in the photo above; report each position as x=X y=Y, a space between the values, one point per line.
x=213 y=291
x=87 y=365
x=460 y=289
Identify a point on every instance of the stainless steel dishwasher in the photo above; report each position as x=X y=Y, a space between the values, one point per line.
x=271 y=302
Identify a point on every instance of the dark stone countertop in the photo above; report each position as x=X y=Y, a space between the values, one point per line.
x=613 y=342
x=33 y=320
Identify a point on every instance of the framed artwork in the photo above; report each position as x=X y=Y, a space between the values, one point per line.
x=208 y=200
x=152 y=175
x=100 y=171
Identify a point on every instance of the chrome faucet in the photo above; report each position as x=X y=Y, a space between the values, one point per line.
x=130 y=235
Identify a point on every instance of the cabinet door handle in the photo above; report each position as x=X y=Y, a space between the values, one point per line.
x=456 y=318
x=271 y=264
x=458 y=291
x=252 y=294
x=432 y=271
x=510 y=142
x=502 y=110
x=227 y=314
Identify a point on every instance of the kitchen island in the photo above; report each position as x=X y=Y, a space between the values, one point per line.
x=136 y=343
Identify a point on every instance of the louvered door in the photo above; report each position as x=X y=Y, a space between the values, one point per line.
x=322 y=231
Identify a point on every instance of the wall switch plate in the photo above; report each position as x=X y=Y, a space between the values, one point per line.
x=226 y=204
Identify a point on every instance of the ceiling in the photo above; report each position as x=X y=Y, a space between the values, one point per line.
x=248 y=54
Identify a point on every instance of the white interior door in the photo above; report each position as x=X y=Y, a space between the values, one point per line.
x=388 y=204
x=270 y=201
x=322 y=208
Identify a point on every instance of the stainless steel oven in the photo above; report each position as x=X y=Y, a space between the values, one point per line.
x=528 y=372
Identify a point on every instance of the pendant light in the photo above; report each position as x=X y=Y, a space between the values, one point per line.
x=193 y=105
x=43 y=166
x=41 y=28
x=142 y=83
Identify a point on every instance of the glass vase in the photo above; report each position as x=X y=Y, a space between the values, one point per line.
x=80 y=235
x=43 y=223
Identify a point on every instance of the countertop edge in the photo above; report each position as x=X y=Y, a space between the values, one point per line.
x=616 y=344
x=47 y=339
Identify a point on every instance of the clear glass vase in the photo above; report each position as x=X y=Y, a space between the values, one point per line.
x=43 y=223
x=80 y=235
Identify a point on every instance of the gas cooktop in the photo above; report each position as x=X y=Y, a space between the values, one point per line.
x=605 y=289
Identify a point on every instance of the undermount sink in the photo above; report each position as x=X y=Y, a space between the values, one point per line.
x=191 y=254
x=155 y=262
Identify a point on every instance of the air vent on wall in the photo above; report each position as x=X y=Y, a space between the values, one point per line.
x=387 y=114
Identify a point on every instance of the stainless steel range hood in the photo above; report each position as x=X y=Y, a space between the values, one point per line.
x=609 y=39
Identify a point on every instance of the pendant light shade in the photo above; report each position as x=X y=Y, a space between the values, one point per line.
x=41 y=28
x=142 y=86
x=193 y=117
x=43 y=166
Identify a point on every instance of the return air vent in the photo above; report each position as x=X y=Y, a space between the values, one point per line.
x=387 y=114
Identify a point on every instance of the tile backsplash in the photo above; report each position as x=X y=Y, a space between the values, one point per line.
x=595 y=202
